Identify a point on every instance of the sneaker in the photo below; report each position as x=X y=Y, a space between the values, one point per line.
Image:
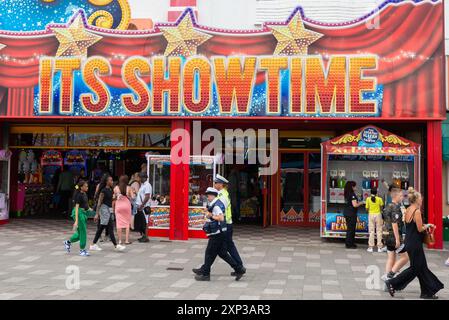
x=380 y=250
x=447 y=263
x=391 y=275
x=370 y=249
x=84 y=253
x=202 y=277
x=67 y=246
x=383 y=249
x=120 y=247
x=95 y=247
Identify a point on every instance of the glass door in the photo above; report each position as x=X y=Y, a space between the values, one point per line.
x=299 y=188
x=292 y=188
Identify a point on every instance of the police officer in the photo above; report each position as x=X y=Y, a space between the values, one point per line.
x=221 y=183
x=216 y=245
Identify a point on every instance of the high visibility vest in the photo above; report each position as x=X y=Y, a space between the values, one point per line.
x=223 y=195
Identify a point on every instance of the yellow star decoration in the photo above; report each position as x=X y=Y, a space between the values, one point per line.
x=293 y=38
x=183 y=39
x=74 y=39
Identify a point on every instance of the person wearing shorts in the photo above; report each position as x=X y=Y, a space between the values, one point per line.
x=393 y=238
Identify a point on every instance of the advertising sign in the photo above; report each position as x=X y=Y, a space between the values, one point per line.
x=90 y=65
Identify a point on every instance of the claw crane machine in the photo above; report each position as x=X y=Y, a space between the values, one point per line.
x=202 y=173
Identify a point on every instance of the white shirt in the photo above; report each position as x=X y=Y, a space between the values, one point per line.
x=145 y=189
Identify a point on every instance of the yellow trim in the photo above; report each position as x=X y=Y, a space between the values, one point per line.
x=292 y=150
x=36 y=129
x=143 y=130
x=307 y=134
x=97 y=130
x=89 y=148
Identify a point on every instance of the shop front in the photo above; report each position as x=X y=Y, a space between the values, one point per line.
x=105 y=99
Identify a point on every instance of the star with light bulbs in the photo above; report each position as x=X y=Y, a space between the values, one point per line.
x=74 y=39
x=293 y=38
x=183 y=39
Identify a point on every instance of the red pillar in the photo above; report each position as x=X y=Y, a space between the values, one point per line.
x=179 y=180
x=434 y=179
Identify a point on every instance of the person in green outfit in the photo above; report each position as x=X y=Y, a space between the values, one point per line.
x=79 y=214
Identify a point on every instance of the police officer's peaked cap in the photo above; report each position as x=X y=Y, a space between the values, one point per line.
x=212 y=191
x=221 y=179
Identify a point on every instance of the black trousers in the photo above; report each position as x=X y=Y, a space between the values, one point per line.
x=351 y=222
x=109 y=230
x=230 y=245
x=65 y=201
x=217 y=247
x=428 y=282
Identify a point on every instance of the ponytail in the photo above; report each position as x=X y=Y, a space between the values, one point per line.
x=373 y=194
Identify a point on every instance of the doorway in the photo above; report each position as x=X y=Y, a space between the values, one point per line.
x=298 y=186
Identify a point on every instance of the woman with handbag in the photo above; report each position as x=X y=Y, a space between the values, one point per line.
x=105 y=215
x=416 y=231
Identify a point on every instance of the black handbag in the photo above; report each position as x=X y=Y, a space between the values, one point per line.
x=211 y=227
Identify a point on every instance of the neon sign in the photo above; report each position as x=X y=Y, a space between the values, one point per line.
x=216 y=86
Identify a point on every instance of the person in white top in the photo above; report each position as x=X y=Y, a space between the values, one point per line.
x=143 y=202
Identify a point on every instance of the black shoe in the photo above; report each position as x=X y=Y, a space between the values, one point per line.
x=390 y=288
x=143 y=240
x=238 y=275
x=233 y=273
x=353 y=246
x=202 y=277
x=429 y=297
x=197 y=271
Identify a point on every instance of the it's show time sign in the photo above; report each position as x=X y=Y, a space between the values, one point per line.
x=383 y=65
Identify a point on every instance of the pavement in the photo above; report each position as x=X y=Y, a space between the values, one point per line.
x=282 y=263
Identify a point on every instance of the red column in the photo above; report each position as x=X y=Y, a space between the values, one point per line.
x=434 y=177
x=179 y=180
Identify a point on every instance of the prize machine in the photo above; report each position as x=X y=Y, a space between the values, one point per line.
x=35 y=188
x=76 y=161
x=373 y=158
x=5 y=156
x=202 y=172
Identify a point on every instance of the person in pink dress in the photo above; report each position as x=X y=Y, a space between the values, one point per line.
x=122 y=208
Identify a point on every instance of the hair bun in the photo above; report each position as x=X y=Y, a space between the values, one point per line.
x=411 y=190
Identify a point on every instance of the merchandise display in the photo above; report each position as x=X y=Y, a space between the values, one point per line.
x=373 y=158
x=202 y=171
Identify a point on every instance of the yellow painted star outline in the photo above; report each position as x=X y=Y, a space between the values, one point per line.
x=74 y=39
x=293 y=38
x=183 y=39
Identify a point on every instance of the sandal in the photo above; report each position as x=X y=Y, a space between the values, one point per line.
x=390 y=288
x=128 y=243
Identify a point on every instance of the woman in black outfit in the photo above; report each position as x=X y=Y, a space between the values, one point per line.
x=414 y=234
x=350 y=213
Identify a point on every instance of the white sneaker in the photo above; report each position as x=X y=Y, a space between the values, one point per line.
x=383 y=249
x=120 y=247
x=84 y=253
x=95 y=247
x=369 y=249
x=380 y=250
